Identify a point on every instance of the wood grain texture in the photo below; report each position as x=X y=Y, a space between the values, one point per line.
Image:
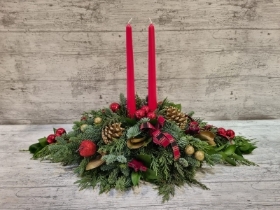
x=60 y=58
x=30 y=184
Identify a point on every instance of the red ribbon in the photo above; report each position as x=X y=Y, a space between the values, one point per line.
x=161 y=138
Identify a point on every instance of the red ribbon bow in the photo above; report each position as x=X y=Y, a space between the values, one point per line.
x=160 y=138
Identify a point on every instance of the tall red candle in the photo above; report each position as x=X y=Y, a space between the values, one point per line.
x=131 y=104
x=152 y=85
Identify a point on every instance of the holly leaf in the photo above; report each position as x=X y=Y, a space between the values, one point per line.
x=146 y=159
x=150 y=175
x=230 y=161
x=220 y=148
x=230 y=150
x=33 y=148
x=135 y=177
x=247 y=148
x=43 y=141
x=128 y=121
x=54 y=130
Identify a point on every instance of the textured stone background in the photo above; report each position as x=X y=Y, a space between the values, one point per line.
x=59 y=58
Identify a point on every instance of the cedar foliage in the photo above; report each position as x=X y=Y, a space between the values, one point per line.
x=163 y=171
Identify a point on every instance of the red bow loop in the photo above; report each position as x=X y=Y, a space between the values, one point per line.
x=160 y=138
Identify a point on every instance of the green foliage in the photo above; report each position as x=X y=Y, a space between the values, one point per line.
x=162 y=170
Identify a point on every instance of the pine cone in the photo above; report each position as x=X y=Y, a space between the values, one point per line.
x=111 y=132
x=174 y=114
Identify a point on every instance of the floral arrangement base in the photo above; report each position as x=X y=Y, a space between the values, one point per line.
x=164 y=147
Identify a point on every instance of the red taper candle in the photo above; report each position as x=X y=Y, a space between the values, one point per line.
x=131 y=104
x=152 y=85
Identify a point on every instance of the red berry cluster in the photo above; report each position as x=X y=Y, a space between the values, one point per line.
x=58 y=132
x=193 y=128
x=229 y=134
x=144 y=111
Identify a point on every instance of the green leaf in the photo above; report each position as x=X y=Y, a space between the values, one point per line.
x=220 y=148
x=230 y=161
x=247 y=148
x=135 y=177
x=178 y=106
x=146 y=159
x=238 y=152
x=43 y=141
x=238 y=157
x=35 y=148
x=150 y=174
x=54 y=130
x=230 y=150
x=128 y=121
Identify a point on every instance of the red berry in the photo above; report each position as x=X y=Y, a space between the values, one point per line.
x=87 y=148
x=115 y=107
x=230 y=134
x=151 y=115
x=83 y=118
x=146 y=109
x=60 y=131
x=193 y=128
x=51 y=139
x=140 y=113
x=208 y=127
x=222 y=132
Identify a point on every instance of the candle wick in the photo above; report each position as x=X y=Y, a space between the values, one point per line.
x=129 y=21
x=150 y=21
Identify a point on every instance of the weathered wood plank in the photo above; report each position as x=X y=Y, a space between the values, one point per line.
x=88 y=15
x=229 y=74
x=41 y=101
x=110 y=43
x=30 y=184
x=101 y=56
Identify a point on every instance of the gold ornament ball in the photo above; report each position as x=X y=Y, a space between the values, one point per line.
x=83 y=127
x=189 y=150
x=97 y=120
x=199 y=155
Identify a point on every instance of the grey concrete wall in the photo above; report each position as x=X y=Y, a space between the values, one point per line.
x=59 y=58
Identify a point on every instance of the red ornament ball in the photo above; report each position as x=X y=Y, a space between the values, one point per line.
x=140 y=113
x=87 y=148
x=230 y=134
x=115 y=107
x=222 y=132
x=51 y=139
x=151 y=115
x=60 y=131
x=146 y=109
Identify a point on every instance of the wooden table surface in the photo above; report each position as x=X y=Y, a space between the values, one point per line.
x=31 y=184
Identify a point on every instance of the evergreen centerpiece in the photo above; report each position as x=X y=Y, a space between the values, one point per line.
x=164 y=147
x=136 y=139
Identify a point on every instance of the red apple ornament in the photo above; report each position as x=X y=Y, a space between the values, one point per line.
x=60 y=131
x=230 y=134
x=222 y=132
x=87 y=148
x=51 y=139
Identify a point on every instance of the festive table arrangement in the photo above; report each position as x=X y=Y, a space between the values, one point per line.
x=141 y=139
